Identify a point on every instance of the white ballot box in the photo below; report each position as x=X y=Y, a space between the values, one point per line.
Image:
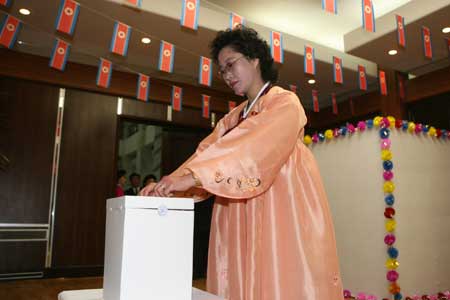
x=148 y=248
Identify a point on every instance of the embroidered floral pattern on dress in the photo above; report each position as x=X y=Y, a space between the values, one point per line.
x=218 y=177
x=248 y=184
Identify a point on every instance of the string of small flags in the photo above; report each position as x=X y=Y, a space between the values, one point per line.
x=66 y=21
x=68 y=16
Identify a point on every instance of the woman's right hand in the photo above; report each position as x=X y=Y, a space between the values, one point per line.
x=148 y=190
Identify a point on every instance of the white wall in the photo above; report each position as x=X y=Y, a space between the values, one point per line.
x=423 y=205
x=352 y=169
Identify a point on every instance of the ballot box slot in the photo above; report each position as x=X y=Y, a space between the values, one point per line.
x=170 y=209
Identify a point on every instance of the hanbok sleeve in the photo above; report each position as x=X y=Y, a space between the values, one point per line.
x=218 y=131
x=198 y=193
x=244 y=162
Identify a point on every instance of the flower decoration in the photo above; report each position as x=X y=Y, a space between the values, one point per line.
x=385 y=124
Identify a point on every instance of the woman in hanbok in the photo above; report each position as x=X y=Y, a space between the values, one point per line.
x=272 y=235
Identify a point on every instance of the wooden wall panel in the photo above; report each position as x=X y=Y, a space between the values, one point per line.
x=356 y=108
x=27 y=130
x=429 y=85
x=391 y=104
x=22 y=257
x=123 y=84
x=86 y=178
x=434 y=111
x=157 y=112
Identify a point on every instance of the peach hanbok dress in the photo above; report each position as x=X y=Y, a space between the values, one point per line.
x=272 y=235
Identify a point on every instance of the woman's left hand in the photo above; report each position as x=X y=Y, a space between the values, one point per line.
x=168 y=185
x=148 y=190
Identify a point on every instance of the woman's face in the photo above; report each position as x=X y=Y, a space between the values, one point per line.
x=238 y=72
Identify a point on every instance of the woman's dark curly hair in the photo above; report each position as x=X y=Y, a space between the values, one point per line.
x=246 y=41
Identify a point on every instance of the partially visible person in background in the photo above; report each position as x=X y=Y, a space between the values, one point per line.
x=135 y=181
x=148 y=179
x=121 y=181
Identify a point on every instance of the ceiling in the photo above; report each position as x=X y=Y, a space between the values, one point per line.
x=302 y=22
x=410 y=59
x=306 y=19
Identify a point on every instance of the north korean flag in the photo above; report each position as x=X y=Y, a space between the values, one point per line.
x=362 y=78
x=231 y=105
x=104 y=73
x=137 y=3
x=426 y=36
x=236 y=21
x=143 y=87
x=334 y=103
x=120 y=38
x=67 y=16
x=330 y=6
x=205 y=71
x=166 y=56
x=205 y=106
x=309 y=61
x=177 y=98
x=189 y=14
x=9 y=31
x=401 y=31
x=368 y=15
x=447 y=40
x=383 y=84
x=315 y=96
x=59 y=55
x=293 y=88
x=6 y=3
x=276 y=46
x=337 y=70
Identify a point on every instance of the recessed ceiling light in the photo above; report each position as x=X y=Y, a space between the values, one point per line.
x=24 y=11
x=146 y=40
x=392 y=52
x=446 y=30
x=311 y=81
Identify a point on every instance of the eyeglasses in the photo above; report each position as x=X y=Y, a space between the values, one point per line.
x=228 y=67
